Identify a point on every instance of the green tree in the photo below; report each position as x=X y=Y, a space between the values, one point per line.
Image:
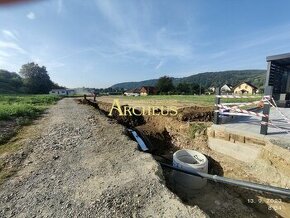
x=196 y=89
x=10 y=82
x=165 y=85
x=36 y=78
x=183 y=88
x=57 y=86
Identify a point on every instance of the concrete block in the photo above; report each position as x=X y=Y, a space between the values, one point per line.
x=222 y=135
x=238 y=138
x=254 y=141
x=232 y=139
x=211 y=132
x=240 y=151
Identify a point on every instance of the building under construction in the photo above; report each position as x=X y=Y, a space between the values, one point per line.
x=278 y=76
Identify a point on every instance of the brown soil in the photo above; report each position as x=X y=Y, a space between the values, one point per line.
x=15 y=151
x=195 y=113
x=7 y=130
x=164 y=135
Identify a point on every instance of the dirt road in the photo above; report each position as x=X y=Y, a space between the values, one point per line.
x=82 y=165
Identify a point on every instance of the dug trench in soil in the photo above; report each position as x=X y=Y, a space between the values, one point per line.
x=164 y=135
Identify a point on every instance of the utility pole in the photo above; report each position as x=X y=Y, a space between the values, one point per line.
x=266 y=111
x=216 y=118
x=199 y=88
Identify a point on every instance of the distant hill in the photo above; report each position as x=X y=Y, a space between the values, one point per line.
x=133 y=85
x=208 y=79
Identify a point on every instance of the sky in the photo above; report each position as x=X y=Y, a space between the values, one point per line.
x=97 y=43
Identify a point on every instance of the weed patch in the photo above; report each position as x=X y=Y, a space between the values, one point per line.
x=197 y=129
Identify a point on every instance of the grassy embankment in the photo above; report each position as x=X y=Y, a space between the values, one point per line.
x=29 y=106
x=16 y=111
x=19 y=110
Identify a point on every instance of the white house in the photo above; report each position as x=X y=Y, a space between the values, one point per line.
x=226 y=88
x=132 y=92
x=211 y=89
x=62 y=92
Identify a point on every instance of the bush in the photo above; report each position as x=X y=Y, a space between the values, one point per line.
x=18 y=110
x=30 y=106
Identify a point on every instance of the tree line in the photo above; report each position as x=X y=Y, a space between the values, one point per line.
x=207 y=79
x=165 y=86
x=32 y=79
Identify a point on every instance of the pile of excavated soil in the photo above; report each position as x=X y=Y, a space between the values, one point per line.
x=192 y=113
x=195 y=113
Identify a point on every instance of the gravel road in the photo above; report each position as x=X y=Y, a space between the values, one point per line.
x=82 y=165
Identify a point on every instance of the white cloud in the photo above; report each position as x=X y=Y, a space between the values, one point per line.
x=131 y=39
x=43 y=61
x=55 y=64
x=11 y=46
x=31 y=15
x=4 y=54
x=111 y=12
x=9 y=35
x=156 y=48
x=160 y=64
x=59 y=6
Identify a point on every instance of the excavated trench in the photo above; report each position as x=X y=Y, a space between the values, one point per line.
x=165 y=135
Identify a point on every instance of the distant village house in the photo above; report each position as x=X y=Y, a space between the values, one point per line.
x=148 y=90
x=144 y=91
x=211 y=89
x=62 y=92
x=245 y=88
x=132 y=92
x=227 y=88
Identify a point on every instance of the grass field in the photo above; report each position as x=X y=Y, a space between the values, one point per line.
x=172 y=100
x=15 y=106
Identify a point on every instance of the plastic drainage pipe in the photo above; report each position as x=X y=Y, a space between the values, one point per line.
x=220 y=179
x=240 y=183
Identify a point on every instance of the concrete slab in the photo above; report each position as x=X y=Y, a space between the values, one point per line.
x=250 y=126
x=239 y=151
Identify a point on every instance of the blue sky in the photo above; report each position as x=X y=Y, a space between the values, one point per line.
x=96 y=43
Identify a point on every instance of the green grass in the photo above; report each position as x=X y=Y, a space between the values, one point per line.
x=205 y=100
x=189 y=98
x=15 y=106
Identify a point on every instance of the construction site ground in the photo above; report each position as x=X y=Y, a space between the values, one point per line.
x=77 y=161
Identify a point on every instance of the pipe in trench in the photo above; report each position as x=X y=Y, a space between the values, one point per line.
x=240 y=183
x=220 y=179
